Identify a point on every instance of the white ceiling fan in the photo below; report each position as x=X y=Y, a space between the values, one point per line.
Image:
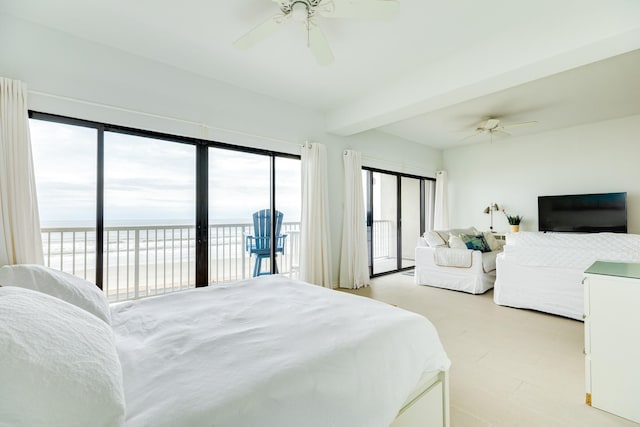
x=493 y=126
x=305 y=12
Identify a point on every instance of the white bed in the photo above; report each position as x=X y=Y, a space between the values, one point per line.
x=263 y=352
x=271 y=352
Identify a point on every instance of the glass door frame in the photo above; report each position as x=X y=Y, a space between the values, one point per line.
x=370 y=215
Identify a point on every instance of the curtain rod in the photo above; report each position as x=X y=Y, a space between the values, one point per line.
x=205 y=126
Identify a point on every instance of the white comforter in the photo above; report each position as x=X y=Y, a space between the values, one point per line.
x=270 y=352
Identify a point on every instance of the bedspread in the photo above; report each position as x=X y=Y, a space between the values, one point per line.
x=270 y=352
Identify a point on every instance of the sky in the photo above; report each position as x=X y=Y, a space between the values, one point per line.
x=149 y=181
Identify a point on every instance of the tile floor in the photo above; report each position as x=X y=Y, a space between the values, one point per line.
x=510 y=367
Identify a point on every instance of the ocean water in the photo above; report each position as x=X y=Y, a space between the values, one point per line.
x=87 y=223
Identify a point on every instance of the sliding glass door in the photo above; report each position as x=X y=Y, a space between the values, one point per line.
x=399 y=208
x=240 y=220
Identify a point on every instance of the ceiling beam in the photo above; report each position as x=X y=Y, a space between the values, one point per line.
x=500 y=65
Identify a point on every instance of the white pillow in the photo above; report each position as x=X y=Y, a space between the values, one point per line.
x=434 y=239
x=65 y=286
x=446 y=234
x=458 y=231
x=59 y=366
x=455 y=242
x=492 y=241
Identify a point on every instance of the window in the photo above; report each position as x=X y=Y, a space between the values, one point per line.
x=64 y=158
x=149 y=216
x=143 y=213
x=239 y=185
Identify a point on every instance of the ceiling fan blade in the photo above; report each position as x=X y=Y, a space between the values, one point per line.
x=319 y=45
x=501 y=132
x=260 y=32
x=359 y=9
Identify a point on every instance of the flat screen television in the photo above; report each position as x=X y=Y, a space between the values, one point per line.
x=583 y=213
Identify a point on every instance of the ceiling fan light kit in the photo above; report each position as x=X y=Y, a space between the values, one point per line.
x=304 y=11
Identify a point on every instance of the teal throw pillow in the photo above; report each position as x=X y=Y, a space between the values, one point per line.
x=477 y=242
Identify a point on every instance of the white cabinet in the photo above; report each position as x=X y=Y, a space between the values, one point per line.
x=612 y=338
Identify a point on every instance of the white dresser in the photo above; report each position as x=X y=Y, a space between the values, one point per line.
x=612 y=338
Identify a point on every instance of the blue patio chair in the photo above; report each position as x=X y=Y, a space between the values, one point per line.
x=260 y=242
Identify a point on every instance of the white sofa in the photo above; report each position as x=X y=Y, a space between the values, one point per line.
x=544 y=271
x=457 y=269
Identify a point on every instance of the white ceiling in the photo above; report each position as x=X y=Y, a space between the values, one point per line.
x=429 y=76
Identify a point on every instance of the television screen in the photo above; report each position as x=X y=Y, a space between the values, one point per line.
x=583 y=213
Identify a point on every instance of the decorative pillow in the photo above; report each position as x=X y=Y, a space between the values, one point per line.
x=492 y=241
x=477 y=242
x=59 y=364
x=444 y=235
x=460 y=231
x=434 y=239
x=65 y=286
x=455 y=242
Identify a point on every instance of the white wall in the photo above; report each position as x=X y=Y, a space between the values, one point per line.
x=513 y=172
x=128 y=90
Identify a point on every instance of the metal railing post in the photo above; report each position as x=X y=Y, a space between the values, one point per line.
x=136 y=266
x=243 y=250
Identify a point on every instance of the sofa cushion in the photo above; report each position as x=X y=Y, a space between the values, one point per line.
x=447 y=257
x=434 y=239
x=456 y=242
x=475 y=242
x=492 y=241
x=489 y=261
x=445 y=234
x=459 y=231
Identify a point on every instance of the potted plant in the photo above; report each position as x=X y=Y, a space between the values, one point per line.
x=514 y=221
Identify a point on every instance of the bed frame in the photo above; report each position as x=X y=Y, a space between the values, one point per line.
x=428 y=406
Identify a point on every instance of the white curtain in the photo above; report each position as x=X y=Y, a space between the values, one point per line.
x=354 y=268
x=315 y=244
x=441 y=208
x=20 y=240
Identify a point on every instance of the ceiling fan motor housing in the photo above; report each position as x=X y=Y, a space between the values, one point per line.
x=300 y=10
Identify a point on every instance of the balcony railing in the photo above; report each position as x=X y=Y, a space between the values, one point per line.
x=143 y=261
